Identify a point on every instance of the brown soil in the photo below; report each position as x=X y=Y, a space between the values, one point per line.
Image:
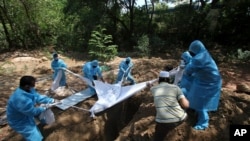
x=131 y=120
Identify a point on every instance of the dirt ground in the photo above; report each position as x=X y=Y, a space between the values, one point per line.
x=131 y=120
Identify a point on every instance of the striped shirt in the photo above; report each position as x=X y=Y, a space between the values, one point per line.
x=166 y=97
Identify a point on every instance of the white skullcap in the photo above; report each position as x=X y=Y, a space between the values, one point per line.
x=164 y=74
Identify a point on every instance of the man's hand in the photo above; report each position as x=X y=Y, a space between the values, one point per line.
x=149 y=84
x=45 y=106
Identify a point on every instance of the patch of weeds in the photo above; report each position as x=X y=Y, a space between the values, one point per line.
x=243 y=55
x=238 y=56
x=7 y=68
x=25 y=68
x=47 y=53
x=105 y=68
x=143 y=48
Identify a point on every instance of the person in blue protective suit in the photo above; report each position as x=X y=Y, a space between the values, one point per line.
x=177 y=73
x=125 y=68
x=21 y=109
x=205 y=89
x=56 y=64
x=92 y=71
x=186 y=80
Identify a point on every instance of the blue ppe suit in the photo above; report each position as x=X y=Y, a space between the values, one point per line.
x=205 y=90
x=125 y=71
x=90 y=70
x=55 y=65
x=21 y=111
x=186 y=80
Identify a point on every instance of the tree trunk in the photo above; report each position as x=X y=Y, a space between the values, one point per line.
x=4 y=27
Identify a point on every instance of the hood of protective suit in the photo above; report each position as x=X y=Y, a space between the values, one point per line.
x=94 y=63
x=128 y=59
x=186 y=57
x=197 y=47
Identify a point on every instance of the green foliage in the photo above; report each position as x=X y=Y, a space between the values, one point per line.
x=239 y=55
x=82 y=17
x=101 y=46
x=105 y=68
x=143 y=48
x=243 y=55
x=31 y=23
x=233 y=23
x=157 y=44
x=68 y=24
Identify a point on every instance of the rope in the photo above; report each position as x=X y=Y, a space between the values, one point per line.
x=85 y=110
x=79 y=76
x=82 y=109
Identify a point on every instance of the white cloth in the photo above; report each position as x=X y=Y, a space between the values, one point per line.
x=108 y=94
x=47 y=116
x=177 y=73
x=111 y=94
x=56 y=82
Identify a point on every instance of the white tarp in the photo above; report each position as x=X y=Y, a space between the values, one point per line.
x=111 y=94
x=108 y=94
x=74 y=99
x=56 y=82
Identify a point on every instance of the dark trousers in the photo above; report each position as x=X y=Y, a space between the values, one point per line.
x=162 y=129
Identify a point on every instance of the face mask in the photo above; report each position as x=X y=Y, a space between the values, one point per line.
x=56 y=58
x=29 y=89
x=127 y=62
x=32 y=89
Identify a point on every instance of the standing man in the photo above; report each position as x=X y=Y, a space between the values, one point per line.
x=56 y=65
x=170 y=103
x=21 y=109
x=205 y=88
x=125 y=68
x=92 y=71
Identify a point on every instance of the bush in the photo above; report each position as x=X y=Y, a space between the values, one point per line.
x=100 y=45
x=243 y=55
x=143 y=46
